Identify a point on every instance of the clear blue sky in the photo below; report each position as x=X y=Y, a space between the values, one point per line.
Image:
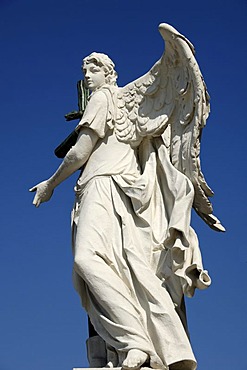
x=42 y=325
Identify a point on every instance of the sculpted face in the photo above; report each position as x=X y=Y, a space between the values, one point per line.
x=94 y=76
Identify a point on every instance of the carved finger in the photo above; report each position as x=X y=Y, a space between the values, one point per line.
x=37 y=204
x=34 y=188
x=35 y=200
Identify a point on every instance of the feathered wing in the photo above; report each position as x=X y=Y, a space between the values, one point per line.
x=171 y=101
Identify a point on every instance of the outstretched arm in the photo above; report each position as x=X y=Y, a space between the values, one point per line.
x=73 y=160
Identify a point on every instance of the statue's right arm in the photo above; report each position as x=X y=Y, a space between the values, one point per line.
x=73 y=160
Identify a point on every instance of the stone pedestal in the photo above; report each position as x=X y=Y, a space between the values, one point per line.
x=106 y=368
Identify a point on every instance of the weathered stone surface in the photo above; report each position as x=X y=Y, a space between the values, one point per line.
x=135 y=254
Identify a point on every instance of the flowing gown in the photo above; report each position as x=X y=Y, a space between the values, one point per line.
x=135 y=252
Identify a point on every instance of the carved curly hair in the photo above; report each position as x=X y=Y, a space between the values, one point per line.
x=102 y=60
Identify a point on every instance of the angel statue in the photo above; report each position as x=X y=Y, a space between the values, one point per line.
x=135 y=254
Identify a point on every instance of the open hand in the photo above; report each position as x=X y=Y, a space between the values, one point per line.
x=44 y=191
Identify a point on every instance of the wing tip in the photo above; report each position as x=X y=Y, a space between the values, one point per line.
x=211 y=220
x=167 y=30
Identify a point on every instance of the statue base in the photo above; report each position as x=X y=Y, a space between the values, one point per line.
x=107 y=368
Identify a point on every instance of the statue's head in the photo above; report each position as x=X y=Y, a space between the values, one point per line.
x=98 y=70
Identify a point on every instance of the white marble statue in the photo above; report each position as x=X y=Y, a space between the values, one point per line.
x=135 y=254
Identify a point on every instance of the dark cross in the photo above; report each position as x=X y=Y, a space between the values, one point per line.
x=83 y=94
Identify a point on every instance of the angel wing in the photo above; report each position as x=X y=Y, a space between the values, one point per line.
x=171 y=101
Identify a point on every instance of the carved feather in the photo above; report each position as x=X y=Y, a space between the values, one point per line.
x=171 y=100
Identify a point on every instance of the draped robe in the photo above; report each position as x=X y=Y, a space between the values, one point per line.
x=135 y=252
